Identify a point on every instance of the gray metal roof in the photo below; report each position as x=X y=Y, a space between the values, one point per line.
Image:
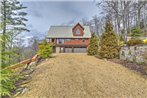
x=66 y=32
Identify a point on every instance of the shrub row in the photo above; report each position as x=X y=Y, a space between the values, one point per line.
x=108 y=44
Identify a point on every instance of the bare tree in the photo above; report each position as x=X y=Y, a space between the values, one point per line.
x=96 y=24
x=125 y=14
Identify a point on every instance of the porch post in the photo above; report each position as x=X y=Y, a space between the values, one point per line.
x=72 y=49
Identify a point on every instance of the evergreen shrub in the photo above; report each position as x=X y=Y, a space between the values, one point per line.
x=109 y=47
x=45 y=50
x=93 y=46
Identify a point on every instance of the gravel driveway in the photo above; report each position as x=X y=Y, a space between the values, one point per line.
x=82 y=76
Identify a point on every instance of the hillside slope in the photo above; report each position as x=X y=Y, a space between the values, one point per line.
x=82 y=76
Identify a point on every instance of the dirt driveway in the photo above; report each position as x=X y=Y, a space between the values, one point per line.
x=82 y=76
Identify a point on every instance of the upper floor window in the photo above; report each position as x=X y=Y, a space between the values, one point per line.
x=77 y=32
x=83 y=40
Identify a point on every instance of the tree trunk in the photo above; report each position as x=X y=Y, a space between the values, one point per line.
x=138 y=24
x=4 y=32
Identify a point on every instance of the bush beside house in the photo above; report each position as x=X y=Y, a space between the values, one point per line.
x=93 y=46
x=45 y=50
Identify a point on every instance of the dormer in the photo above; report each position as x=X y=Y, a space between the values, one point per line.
x=78 y=30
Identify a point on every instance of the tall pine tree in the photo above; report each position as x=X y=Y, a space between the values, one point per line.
x=109 y=42
x=5 y=14
x=12 y=24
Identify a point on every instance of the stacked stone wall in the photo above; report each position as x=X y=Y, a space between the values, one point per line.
x=134 y=53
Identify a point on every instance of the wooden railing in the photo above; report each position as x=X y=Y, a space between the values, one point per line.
x=23 y=63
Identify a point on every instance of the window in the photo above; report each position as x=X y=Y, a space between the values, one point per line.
x=83 y=40
x=78 y=32
x=67 y=40
x=60 y=41
x=76 y=39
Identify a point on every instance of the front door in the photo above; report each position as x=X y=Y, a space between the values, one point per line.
x=53 y=40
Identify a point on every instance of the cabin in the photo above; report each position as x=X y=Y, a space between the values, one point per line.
x=69 y=39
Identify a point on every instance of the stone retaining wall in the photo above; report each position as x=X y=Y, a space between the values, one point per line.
x=133 y=53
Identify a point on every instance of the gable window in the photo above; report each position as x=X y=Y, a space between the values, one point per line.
x=77 y=32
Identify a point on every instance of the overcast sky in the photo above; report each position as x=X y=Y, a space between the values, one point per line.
x=44 y=13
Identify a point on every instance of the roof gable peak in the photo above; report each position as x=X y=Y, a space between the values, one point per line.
x=77 y=25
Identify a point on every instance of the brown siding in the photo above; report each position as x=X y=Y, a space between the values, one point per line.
x=77 y=42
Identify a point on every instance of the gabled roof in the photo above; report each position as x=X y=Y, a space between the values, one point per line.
x=77 y=25
x=66 y=32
